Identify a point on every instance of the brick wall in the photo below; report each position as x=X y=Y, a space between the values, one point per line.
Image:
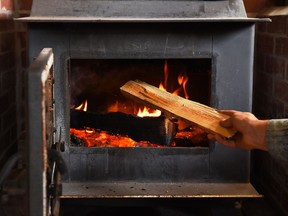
x=271 y=101
x=258 y=5
x=12 y=100
x=12 y=64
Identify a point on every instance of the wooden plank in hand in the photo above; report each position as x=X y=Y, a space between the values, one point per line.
x=196 y=113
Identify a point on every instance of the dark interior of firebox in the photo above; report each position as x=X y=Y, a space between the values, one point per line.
x=101 y=116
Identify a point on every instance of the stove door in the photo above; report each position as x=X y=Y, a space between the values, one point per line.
x=42 y=174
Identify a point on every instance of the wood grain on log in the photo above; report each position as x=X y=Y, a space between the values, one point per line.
x=196 y=113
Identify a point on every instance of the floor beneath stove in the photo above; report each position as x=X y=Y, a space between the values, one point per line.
x=168 y=207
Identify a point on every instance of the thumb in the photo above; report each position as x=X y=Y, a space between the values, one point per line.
x=226 y=123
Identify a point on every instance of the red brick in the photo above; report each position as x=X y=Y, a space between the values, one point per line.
x=281 y=47
x=5 y=101
x=275 y=66
x=7 y=61
x=6 y=25
x=7 y=4
x=260 y=62
x=9 y=80
x=263 y=106
x=7 y=42
x=10 y=148
x=278 y=109
x=286 y=112
x=25 y=4
x=263 y=82
x=22 y=37
x=265 y=43
x=24 y=57
x=278 y=25
x=4 y=66
x=9 y=117
x=286 y=71
x=281 y=90
x=261 y=27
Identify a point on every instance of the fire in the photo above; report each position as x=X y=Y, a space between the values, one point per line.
x=148 y=112
x=82 y=106
x=113 y=107
x=182 y=81
x=94 y=138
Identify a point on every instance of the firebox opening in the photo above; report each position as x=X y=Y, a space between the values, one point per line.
x=100 y=116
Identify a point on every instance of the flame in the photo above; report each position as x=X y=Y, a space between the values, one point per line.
x=161 y=86
x=148 y=112
x=182 y=80
x=113 y=107
x=82 y=106
x=166 y=72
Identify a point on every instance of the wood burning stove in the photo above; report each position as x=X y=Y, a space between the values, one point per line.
x=214 y=38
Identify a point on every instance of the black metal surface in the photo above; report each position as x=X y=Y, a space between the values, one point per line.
x=41 y=129
x=138 y=164
x=227 y=44
x=130 y=189
x=168 y=207
x=146 y=9
x=136 y=11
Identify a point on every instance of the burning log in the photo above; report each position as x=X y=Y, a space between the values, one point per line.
x=158 y=130
x=198 y=114
x=97 y=138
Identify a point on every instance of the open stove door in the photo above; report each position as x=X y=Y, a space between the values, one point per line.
x=42 y=177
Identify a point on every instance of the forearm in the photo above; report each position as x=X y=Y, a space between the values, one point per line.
x=277 y=139
x=257 y=130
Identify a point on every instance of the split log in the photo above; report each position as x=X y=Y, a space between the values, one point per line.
x=198 y=114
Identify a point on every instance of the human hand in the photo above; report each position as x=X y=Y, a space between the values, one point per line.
x=250 y=134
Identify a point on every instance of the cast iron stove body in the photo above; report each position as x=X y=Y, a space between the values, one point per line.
x=133 y=30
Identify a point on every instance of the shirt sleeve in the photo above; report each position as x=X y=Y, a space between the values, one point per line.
x=277 y=139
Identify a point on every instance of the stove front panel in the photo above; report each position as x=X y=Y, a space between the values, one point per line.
x=229 y=45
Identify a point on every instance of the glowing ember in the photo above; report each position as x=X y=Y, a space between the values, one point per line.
x=93 y=138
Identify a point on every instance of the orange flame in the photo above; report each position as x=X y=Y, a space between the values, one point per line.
x=82 y=106
x=166 y=72
x=148 y=112
x=182 y=80
x=114 y=107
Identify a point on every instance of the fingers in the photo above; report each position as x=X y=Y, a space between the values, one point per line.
x=222 y=140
